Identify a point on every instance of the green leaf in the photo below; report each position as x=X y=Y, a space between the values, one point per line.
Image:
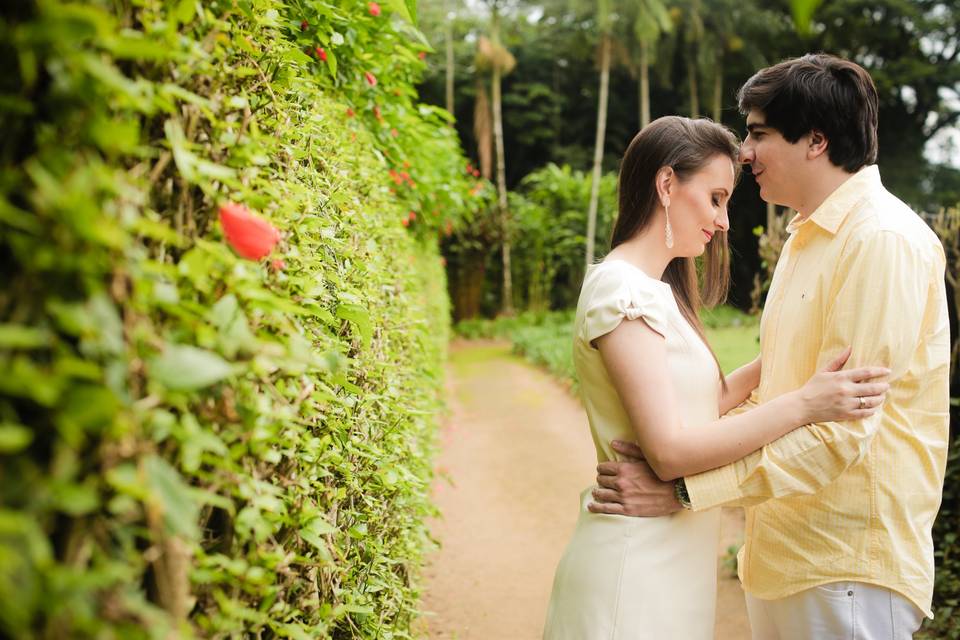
x=185 y=10
x=803 y=11
x=18 y=218
x=14 y=336
x=192 y=167
x=400 y=6
x=76 y=499
x=14 y=437
x=185 y=368
x=171 y=496
x=360 y=318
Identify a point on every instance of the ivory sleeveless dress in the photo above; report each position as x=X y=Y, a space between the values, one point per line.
x=637 y=578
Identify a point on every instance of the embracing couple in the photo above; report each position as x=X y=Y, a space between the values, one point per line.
x=834 y=439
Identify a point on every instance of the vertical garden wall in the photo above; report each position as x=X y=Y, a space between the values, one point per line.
x=194 y=442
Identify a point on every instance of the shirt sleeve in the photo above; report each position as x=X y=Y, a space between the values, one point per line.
x=618 y=295
x=878 y=308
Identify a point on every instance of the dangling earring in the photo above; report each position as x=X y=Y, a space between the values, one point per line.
x=668 y=230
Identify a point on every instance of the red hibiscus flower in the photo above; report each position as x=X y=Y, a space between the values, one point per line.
x=250 y=236
x=371 y=79
x=321 y=54
x=374 y=9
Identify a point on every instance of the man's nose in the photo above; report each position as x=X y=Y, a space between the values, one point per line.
x=746 y=153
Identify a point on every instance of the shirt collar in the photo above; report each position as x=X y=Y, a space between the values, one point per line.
x=832 y=211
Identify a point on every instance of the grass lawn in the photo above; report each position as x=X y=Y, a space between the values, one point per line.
x=546 y=338
x=734 y=346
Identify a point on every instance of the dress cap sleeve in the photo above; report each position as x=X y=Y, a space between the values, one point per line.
x=619 y=293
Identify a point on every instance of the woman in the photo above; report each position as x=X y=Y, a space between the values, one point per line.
x=647 y=374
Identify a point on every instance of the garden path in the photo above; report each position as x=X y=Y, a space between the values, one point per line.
x=516 y=454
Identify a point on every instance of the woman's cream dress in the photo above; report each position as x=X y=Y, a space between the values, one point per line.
x=623 y=577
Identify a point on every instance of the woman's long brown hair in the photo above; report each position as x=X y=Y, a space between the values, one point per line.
x=687 y=146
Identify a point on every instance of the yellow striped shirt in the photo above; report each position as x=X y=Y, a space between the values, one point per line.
x=852 y=500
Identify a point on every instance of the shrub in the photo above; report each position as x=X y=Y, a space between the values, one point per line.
x=192 y=443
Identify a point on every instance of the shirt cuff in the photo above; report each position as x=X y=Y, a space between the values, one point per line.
x=713 y=488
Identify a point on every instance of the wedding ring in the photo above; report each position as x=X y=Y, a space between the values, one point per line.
x=862 y=403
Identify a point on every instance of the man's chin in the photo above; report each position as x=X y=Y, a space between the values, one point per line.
x=770 y=198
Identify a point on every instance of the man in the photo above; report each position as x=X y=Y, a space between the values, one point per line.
x=838 y=515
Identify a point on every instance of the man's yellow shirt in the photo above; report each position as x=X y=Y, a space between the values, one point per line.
x=849 y=500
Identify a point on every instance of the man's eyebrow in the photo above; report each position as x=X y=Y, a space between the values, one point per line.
x=753 y=126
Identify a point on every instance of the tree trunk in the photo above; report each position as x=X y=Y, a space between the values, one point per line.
x=483 y=129
x=468 y=274
x=449 y=44
x=507 y=304
x=644 y=85
x=718 y=91
x=598 y=146
x=692 y=85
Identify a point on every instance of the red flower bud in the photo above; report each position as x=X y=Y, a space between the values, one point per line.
x=376 y=112
x=303 y=25
x=422 y=55
x=406 y=165
x=278 y=264
x=250 y=236
x=412 y=216
x=321 y=54
x=405 y=222
x=350 y=112
x=371 y=79
x=374 y=9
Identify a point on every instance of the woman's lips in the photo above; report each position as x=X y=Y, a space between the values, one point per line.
x=708 y=234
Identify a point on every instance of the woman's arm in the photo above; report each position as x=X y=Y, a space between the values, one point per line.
x=636 y=359
x=740 y=384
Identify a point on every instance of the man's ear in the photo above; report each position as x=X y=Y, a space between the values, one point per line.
x=818 y=144
x=664 y=181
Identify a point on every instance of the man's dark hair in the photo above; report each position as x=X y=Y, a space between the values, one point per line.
x=819 y=92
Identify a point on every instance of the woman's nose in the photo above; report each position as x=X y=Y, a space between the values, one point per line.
x=723 y=221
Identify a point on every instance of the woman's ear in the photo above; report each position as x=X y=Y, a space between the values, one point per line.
x=664 y=182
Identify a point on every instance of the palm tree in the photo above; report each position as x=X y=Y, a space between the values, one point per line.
x=687 y=16
x=501 y=62
x=448 y=17
x=648 y=20
x=605 y=23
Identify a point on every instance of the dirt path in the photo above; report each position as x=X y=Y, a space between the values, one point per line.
x=517 y=453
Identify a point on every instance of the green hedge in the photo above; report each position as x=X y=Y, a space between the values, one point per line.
x=946 y=597
x=192 y=443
